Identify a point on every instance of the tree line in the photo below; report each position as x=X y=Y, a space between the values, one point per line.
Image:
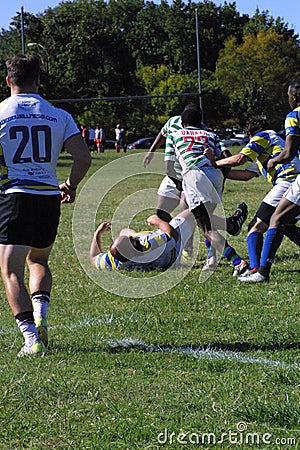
x=97 y=49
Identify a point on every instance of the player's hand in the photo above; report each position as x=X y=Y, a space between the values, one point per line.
x=270 y=165
x=153 y=220
x=148 y=158
x=104 y=226
x=67 y=196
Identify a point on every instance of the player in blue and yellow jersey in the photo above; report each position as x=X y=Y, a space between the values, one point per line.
x=32 y=135
x=148 y=250
x=289 y=206
x=263 y=146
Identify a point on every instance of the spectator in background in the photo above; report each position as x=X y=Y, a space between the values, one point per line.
x=120 y=138
x=99 y=139
x=91 y=144
x=85 y=134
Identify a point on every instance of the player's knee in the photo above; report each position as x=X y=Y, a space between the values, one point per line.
x=163 y=215
x=252 y=223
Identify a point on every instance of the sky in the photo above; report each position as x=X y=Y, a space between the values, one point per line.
x=289 y=10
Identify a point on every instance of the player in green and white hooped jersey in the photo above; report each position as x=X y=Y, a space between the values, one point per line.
x=202 y=182
x=170 y=193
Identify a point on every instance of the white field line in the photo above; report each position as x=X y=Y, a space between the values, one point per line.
x=207 y=352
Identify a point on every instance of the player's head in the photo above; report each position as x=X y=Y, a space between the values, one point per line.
x=125 y=248
x=192 y=106
x=294 y=93
x=191 y=117
x=254 y=125
x=23 y=71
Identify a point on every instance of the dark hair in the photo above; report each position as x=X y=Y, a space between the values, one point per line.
x=23 y=70
x=255 y=124
x=192 y=106
x=119 y=248
x=295 y=88
x=191 y=117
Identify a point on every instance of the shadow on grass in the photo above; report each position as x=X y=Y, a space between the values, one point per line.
x=241 y=347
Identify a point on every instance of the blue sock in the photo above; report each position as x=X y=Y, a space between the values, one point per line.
x=210 y=250
x=254 y=243
x=272 y=242
x=230 y=254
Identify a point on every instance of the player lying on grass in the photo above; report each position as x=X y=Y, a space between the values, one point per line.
x=146 y=251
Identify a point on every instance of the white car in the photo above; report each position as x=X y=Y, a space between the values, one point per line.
x=235 y=141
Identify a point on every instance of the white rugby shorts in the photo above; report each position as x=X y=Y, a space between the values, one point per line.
x=274 y=196
x=168 y=189
x=203 y=185
x=293 y=193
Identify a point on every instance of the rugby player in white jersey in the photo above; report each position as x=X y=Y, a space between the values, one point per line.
x=32 y=135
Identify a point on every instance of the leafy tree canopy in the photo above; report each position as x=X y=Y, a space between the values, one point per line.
x=97 y=49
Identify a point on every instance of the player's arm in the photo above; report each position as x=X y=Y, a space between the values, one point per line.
x=163 y=226
x=96 y=247
x=234 y=160
x=77 y=147
x=241 y=175
x=292 y=145
x=158 y=142
x=171 y=172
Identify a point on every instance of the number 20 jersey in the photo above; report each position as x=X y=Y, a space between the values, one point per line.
x=32 y=134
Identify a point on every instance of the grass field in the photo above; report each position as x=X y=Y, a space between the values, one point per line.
x=210 y=365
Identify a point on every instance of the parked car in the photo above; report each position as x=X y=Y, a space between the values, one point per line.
x=235 y=141
x=109 y=144
x=141 y=143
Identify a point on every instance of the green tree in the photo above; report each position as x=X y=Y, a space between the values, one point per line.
x=97 y=49
x=265 y=61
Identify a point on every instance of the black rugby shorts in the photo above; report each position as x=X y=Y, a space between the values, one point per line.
x=29 y=219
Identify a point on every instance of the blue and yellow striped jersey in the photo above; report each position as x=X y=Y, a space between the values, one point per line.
x=265 y=145
x=292 y=122
x=157 y=251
